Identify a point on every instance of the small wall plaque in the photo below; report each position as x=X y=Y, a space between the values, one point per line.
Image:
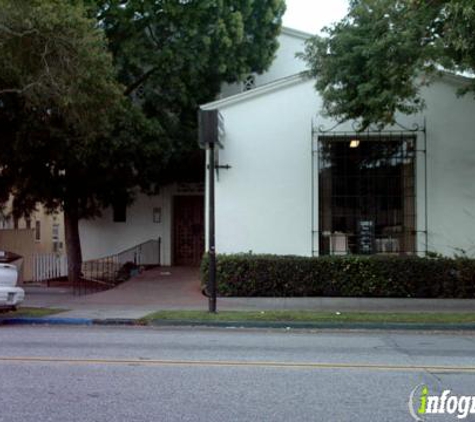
x=157 y=215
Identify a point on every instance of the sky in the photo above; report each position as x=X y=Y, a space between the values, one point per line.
x=312 y=15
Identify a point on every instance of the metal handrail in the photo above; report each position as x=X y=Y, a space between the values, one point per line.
x=105 y=272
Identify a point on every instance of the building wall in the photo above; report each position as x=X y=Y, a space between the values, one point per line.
x=264 y=202
x=36 y=239
x=41 y=224
x=451 y=159
x=103 y=237
x=22 y=242
x=284 y=64
x=268 y=203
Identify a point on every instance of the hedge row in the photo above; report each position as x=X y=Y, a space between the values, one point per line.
x=250 y=275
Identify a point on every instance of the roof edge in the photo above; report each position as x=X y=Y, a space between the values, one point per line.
x=256 y=92
x=296 y=33
x=457 y=77
x=294 y=80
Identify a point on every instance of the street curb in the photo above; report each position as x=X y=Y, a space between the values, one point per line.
x=116 y=322
x=69 y=321
x=238 y=324
x=314 y=325
x=45 y=321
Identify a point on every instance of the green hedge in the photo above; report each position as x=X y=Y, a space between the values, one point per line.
x=356 y=276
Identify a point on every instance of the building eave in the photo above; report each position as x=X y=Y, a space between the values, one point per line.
x=257 y=92
x=457 y=77
x=296 y=33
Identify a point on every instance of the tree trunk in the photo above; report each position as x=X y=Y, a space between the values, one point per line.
x=73 y=243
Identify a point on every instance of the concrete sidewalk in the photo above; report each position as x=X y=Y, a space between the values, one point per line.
x=178 y=288
x=156 y=289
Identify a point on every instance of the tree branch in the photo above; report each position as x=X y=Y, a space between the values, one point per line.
x=47 y=67
x=151 y=32
x=133 y=86
x=19 y=90
x=17 y=34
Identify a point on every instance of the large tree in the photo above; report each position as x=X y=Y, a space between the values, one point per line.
x=81 y=128
x=373 y=63
x=63 y=120
x=174 y=55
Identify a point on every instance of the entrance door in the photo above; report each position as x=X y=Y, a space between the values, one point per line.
x=188 y=231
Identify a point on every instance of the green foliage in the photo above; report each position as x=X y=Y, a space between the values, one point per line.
x=98 y=103
x=59 y=104
x=67 y=128
x=25 y=312
x=288 y=316
x=53 y=57
x=173 y=56
x=354 y=276
x=372 y=64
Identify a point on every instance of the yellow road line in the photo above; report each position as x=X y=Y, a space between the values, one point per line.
x=251 y=364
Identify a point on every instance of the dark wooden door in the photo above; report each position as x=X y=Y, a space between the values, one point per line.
x=188 y=230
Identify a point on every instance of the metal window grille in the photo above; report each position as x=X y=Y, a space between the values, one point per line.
x=367 y=193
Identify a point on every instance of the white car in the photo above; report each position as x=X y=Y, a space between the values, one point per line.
x=10 y=295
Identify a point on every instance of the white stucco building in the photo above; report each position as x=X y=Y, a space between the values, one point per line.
x=176 y=215
x=298 y=184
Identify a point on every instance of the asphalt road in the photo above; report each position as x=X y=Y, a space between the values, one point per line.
x=69 y=374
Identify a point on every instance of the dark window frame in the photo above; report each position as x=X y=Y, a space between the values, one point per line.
x=367 y=194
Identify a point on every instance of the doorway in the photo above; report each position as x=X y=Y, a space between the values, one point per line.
x=188 y=230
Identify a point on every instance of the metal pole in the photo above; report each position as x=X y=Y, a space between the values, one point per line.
x=211 y=232
x=312 y=155
x=426 y=195
x=159 y=243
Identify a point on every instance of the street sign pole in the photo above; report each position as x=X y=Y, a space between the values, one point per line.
x=211 y=135
x=211 y=230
